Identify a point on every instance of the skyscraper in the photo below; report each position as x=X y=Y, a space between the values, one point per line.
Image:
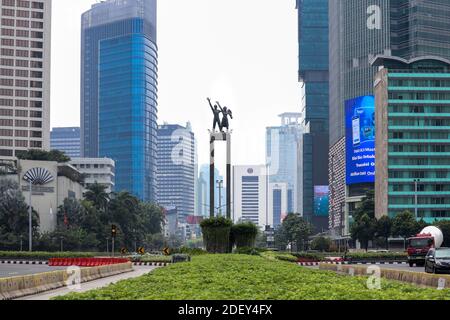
x=403 y=28
x=176 y=169
x=24 y=76
x=282 y=155
x=66 y=140
x=413 y=121
x=119 y=71
x=250 y=200
x=313 y=75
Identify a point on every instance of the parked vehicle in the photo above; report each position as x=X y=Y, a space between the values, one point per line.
x=419 y=246
x=438 y=261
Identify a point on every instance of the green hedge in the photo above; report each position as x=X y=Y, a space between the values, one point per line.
x=43 y=255
x=190 y=251
x=151 y=258
x=358 y=256
x=216 y=234
x=244 y=235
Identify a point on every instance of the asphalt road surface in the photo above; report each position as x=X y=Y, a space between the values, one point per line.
x=92 y=285
x=13 y=270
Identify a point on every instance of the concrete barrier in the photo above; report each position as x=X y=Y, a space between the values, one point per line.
x=16 y=287
x=417 y=278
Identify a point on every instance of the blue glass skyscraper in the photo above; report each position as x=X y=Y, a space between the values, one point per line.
x=119 y=71
x=313 y=42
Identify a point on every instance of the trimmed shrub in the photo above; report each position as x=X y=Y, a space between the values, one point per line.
x=248 y=251
x=190 y=251
x=216 y=234
x=244 y=235
x=177 y=258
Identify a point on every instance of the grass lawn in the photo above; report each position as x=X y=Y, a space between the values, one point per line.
x=242 y=277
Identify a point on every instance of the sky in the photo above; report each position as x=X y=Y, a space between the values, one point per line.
x=242 y=53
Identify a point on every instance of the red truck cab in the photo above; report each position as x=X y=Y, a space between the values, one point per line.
x=418 y=248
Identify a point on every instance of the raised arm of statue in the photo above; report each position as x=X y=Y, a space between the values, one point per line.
x=220 y=107
x=230 y=113
x=210 y=104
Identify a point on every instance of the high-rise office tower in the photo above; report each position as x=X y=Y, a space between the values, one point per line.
x=282 y=155
x=24 y=76
x=413 y=121
x=359 y=31
x=176 y=169
x=250 y=201
x=66 y=140
x=119 y=71
x=313 y=75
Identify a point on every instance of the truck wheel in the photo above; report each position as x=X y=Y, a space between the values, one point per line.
x=411 y=264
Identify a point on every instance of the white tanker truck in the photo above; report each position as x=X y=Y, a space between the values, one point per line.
x=418 y=246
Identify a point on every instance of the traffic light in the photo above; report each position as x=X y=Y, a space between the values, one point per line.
x=113 y=230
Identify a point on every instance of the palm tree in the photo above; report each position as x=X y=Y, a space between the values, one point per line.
x=97 y=194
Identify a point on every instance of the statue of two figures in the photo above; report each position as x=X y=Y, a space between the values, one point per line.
x=217 y=110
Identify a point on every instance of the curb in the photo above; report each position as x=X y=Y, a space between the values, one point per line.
x=152 y=264
x=411 y=277
x=23 y=262
x=20 y=286
x=310 y=264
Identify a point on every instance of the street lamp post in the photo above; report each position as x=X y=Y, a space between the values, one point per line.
x=416 y=181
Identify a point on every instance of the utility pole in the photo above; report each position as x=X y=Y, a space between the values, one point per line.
x=220 y=186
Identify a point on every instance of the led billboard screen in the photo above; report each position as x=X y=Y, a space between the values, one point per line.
x=360 y=140
x=321 y=200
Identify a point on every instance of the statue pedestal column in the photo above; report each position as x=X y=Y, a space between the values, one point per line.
x=224 y=137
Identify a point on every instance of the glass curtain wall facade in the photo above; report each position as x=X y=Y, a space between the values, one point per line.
x=313 y=36
x=282 y=155
x=413 y=158
x=176 y=169
x=421 y=28
x=119 y=91
x=66 y=140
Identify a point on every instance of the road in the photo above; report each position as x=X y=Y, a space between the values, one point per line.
x=92 y=285
x=13 y=270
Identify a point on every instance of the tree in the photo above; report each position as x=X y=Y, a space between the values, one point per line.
x=70 y=214
x=367 y=206
x=124 y=210
x=97 y=194
x=363 y=230
x=404 y=225
x=321 y=244
x=151 y=218
x=384 y=229
x=155 y=242
x=295 y=230
x=420 y=225
x=444 y=225
x=42 y=155
x=14 y=220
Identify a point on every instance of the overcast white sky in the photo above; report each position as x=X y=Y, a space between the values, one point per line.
x=240 y=52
